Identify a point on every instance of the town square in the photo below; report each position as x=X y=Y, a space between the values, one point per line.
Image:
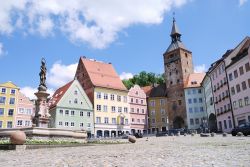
x=115 y=83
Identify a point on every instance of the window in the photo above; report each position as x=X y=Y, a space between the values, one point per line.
x=81 y=113
x=112 y=97
x=240 y=103
x=189 y=92
x=105 y=108
x=119 y=109
x=143 y=120
x=142 y=101
x=235 y=74
x=244 y=85
x=142 y=111
x=3 y=90
x=163 y=120
x=13 y=91
x=113 y=108
x=118 y=98
x=247 y=67
x=105 y=96
x=133 y=120
x=89 y=125
x=19 y=122
x=191 y=121
x=75 y=92
x=163 y=111
x=190 y=109
x=27 y=123
x=72 y=113
x=132 y=100
x=179 y=102
x=138 y=120
x=162 y=102
x=98 y=119
x=194 y=91
x=195 y=100
x=153 y=112
x=225 y=124
x=75 y=101
x=197 y=121
x=88 y=114
x=9 y=124
x=246 y=99
x=138 y=110
x=126 y=121
x=1 y=111
x=234 y=105
x=241 y=70
x=61 y=112
x=136 y=101
x=131 y=109
x=153 y=121
x=81 y=124
x=232 y=90
x=106 y=120
x=201 y=109
x=152 y=103
x=229 y=123
x=190 y=101
x=11 y=112
x=98 y=95
x=2 y=100
x=125 y=109
x=98 y=107
x=60 y=123
x=113 y=120
x=66 y=112
x=199 y=91
x=230 y=76
x=200 y=100
x=238 y=88
x=125 y=99
x=66 y=123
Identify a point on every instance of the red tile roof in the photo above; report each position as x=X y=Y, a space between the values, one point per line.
x=59 y=94
x=194 y=80
x=147 y=90
x=102 y=74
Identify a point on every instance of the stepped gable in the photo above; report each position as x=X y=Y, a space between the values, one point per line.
x=102 y=74
x=59 y=94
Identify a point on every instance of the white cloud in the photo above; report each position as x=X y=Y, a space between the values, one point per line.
x=60 y=74
x=200 y=68
x=29 y=92
x=94 y=22
x=242 y=2
x=125 y=75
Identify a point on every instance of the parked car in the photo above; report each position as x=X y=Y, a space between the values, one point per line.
x=160 y=134
x=244 y=128
x=138 y=135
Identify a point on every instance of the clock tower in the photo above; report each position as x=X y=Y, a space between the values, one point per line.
x=178 y=65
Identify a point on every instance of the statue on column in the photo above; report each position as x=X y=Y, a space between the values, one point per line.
x=42 y=74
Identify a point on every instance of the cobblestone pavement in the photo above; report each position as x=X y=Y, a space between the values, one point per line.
x=162 y=151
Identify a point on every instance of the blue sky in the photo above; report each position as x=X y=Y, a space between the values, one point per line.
x=132 y=35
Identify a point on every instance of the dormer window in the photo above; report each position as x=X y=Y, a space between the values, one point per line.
x=193 y=82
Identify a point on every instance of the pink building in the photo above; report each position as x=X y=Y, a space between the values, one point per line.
x=221 y=95
x=138 y=110
x=238 y=72
x=25 y=110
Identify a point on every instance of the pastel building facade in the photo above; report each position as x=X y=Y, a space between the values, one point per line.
x=209 y=103
x=108 y=95
x=195 y=104
x=157 y=109
x=70 y=108
x=138 y=110
x=25 y=111
x=8 y=104
x=238 y=72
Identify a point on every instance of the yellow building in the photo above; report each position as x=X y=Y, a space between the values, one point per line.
x=157 y=108
x=108 y=95
x=8 y=104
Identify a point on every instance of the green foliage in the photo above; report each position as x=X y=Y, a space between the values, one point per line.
x=144 y=79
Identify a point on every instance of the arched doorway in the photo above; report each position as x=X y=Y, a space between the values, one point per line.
x=106 y=133
x=178 y=122
x=99 y=133
x=212 y=123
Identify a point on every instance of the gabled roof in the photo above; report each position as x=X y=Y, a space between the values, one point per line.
x=9 y=84
x=102 y=74
x=158 y=91
x=194 y=80
x=147 y=90
x=59 y=94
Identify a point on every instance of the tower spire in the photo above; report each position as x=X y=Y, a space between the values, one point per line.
x=175 y=33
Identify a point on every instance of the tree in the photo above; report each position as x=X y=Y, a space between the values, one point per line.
x=144 y=79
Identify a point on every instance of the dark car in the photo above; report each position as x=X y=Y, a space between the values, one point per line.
x=138 y=135
x=243 y=128
x=160 y=134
